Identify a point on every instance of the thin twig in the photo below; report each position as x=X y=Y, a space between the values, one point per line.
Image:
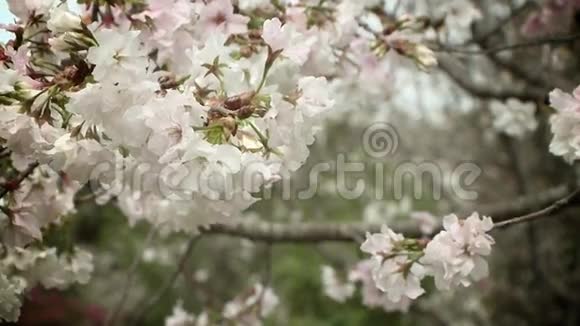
x=267 y=279
x=543 y=213
x=523 y=188
x=130 y=276
x=353 y=232
x=16 y=182
x=462 y=78
x=507 y=47
x=501 y=24
x=169 y=283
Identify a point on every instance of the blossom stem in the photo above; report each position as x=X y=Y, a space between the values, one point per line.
x=146 y=306
x=130 y=275
x=21 y=177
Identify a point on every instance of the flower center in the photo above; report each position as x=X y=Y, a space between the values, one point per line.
x=219 y=19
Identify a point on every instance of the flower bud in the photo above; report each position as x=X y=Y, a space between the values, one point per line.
x=228 y=122
x=230 y=127
x=168 y=81
x=234 y=103
x=71 y=41
x=246 y=111
x=424 y=57
x=416 y=24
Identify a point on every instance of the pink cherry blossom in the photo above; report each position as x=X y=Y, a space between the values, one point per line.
x=219 y=16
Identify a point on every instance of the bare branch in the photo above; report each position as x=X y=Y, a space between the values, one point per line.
x=14 y=184
x=295 y=232
x=540 y=83
x=169 y=283
x=528 y=44
x=130 y=275
x=551 y=210
x=526 y=208
x=463 y=79
x=484 y=36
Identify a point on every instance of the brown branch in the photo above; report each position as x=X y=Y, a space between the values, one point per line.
x=507 y=47
x=112 y=319
x=540 y=83
x=528 y=208
x=463 y=79
x=544 y=80
x=484 y=36
x=144 y=307
x=14 y=184
x=558 y=206
x=296 y=232
x=522 y=205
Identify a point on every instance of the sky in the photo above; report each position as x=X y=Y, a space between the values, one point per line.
x=5 y=17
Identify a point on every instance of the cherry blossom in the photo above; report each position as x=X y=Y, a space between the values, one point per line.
x=514 y=117
x=456 y=255
x=62 y=21
x=334 y=288
x=121 y=53
x=426 y=221
x=11 y=290
x=251 y=308
x=219 y=16
x=372 y=297
x=23 y=269
x=23 y=8
x=179 y=113
x=286 y=39
x=565 y=124
x=180 y=317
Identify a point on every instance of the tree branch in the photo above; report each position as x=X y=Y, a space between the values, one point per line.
x=484 y=36
x=150 y=302
x=296 y=232
x=539 y=84
x=14 y=184
x=507 y=47
x=558 y=206
x=112 y=319
x=463 y=79
x=526 y=208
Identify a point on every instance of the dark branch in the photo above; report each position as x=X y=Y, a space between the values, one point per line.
x=484 y=36
x=528 y=44
x=558 y=206
x=463 y=79
x=144 y=307
x=528 y=208
x=14 y=184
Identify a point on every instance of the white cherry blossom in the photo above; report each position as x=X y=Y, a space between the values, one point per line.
x=455 y=256
x=219 y=16
x=565 y=124
x=514 y=117
x=336 y=289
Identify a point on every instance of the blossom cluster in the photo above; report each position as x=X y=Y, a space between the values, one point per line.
x=181 y=107
x=178 y=112
x=392 y=277
x=23 y=269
